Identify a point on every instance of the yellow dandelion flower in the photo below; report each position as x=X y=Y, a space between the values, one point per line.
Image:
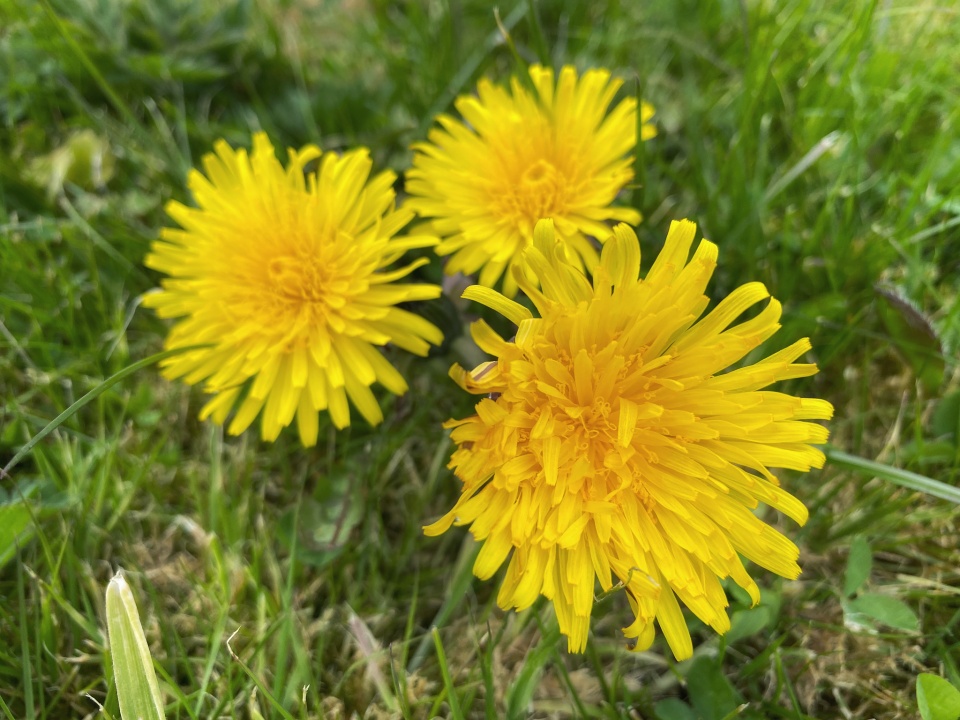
x=284 y=276
x=517 y=158
x=611 y=444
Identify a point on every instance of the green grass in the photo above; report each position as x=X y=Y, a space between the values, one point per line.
x=816 y=142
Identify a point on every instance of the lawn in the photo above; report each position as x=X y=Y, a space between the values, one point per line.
x=816 y=143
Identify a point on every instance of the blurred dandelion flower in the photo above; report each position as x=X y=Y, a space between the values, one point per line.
x=284 y=275
x=518 y=157
x=609 y=445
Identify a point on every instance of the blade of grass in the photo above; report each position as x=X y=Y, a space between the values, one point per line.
x=463 y=75
x=119 y=105
x=24 y=648
x=411 y=619
x=457 y=591
x=639 y=162
x=455 y=710
x=6 y=710
x=137 y=688
x=489 y=691
x=520 y=693
x=536 y=31
x=264 y=691
x=904 y=478
x=558 y=663
x=522 y=69
x=92 y=395
x=371 y=653
x=827 y=143
x=216 y=639
x=99 y=240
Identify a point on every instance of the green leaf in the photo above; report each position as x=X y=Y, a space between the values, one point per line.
x=946 y=417
x=137 y=687
x=711 y=693
x=937 y=699
x=747 y=622
x=673 y=709
x=15 y=529
x=914 y=337
x=859 y=564
x=885 y=609
x=325 y=522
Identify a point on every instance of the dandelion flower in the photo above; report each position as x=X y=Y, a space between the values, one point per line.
x=518 y=157
x=284 y=277
x=611 y=444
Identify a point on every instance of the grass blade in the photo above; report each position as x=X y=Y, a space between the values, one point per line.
x=904 y=478
x=520 y=693
x=118 y=104
x=455 y=710
x=264 y=691
x=24 y=646
x=456 y=592
x=639 y=161
x=92 y=395
x=536 y=32
x=6 y=710
x=826 y=144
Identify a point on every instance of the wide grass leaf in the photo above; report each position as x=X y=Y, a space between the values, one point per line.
x=15 y=529
x=137 y=687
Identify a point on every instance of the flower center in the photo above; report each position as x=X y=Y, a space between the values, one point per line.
x=297 y=279
x=595 y=431
x=590 y=424
x=299 y=292
x=540 y=192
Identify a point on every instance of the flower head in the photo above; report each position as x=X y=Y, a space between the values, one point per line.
x=283 y=276
x=611 y=443
x=519 y=156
